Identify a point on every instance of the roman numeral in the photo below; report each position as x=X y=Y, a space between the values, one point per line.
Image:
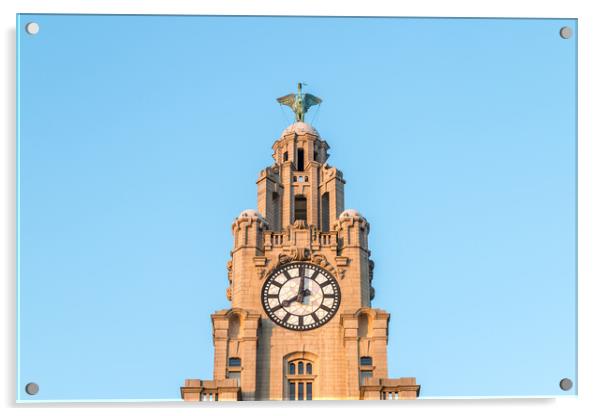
x=277 y=284
x=301 y=271
x=326 y=295
x=313 y=276
x=277 y=307
x=272 y=296
x=285 y=273
x=301 y=321
x=326 y=283
x=285 y=319
x=313 y=315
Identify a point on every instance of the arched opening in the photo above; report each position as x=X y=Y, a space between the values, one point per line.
x=363 y=325
x=325 y=211
x=300 y=159
x=285 y=157
x=276 y=212
x=234 y=326
x=300 y=208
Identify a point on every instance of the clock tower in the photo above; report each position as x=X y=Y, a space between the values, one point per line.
x=301 y=325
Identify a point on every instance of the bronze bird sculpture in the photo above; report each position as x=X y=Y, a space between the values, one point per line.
x=299 y=102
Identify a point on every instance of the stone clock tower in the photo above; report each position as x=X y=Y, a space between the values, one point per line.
x=301 y=325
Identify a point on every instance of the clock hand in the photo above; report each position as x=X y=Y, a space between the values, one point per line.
x=301 y=292
x=289 y=301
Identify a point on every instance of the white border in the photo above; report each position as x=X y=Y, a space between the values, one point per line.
x=590 y=190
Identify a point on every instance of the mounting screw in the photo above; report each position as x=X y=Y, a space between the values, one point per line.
x=566 y=384
x=32 y=389
x=32 y=28
x=566 y=32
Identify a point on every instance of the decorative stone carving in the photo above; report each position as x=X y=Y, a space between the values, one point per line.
x=261 y=273
x=260 y=263
x=321 y=261
x=294 y=254
x=291 y=254
x=341 y=261
x=300 y=225
x=330 y=172
x=229 y=289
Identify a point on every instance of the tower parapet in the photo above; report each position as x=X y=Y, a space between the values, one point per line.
x=353 y=230
x=247 y=230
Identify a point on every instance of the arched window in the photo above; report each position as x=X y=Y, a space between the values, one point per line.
x=234 y=326
x=300 y=379
x=300 y=208
x=325 y=212
x=285 y=156
x=276 y=211
x=364 y=325
x=300 y=159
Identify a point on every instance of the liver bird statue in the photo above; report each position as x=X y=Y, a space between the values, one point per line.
x=299 y=102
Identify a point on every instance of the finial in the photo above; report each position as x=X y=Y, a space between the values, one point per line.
x=300 y=102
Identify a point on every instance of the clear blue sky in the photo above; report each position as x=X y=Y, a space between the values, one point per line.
x=141 y=139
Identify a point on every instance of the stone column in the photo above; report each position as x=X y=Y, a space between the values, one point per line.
x=350 y=338
x=248 y=348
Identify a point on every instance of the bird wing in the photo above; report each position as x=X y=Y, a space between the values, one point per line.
x=312 y=100
x=287 y=100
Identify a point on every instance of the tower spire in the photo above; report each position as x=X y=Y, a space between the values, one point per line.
x=300 y=102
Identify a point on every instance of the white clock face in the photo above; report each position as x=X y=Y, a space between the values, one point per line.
x=300 y=296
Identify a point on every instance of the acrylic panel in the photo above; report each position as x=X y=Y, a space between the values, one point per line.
x=400 y=223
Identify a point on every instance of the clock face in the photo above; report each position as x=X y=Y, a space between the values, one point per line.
x=300 y=296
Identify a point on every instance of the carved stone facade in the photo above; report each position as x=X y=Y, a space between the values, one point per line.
x=301 y=219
